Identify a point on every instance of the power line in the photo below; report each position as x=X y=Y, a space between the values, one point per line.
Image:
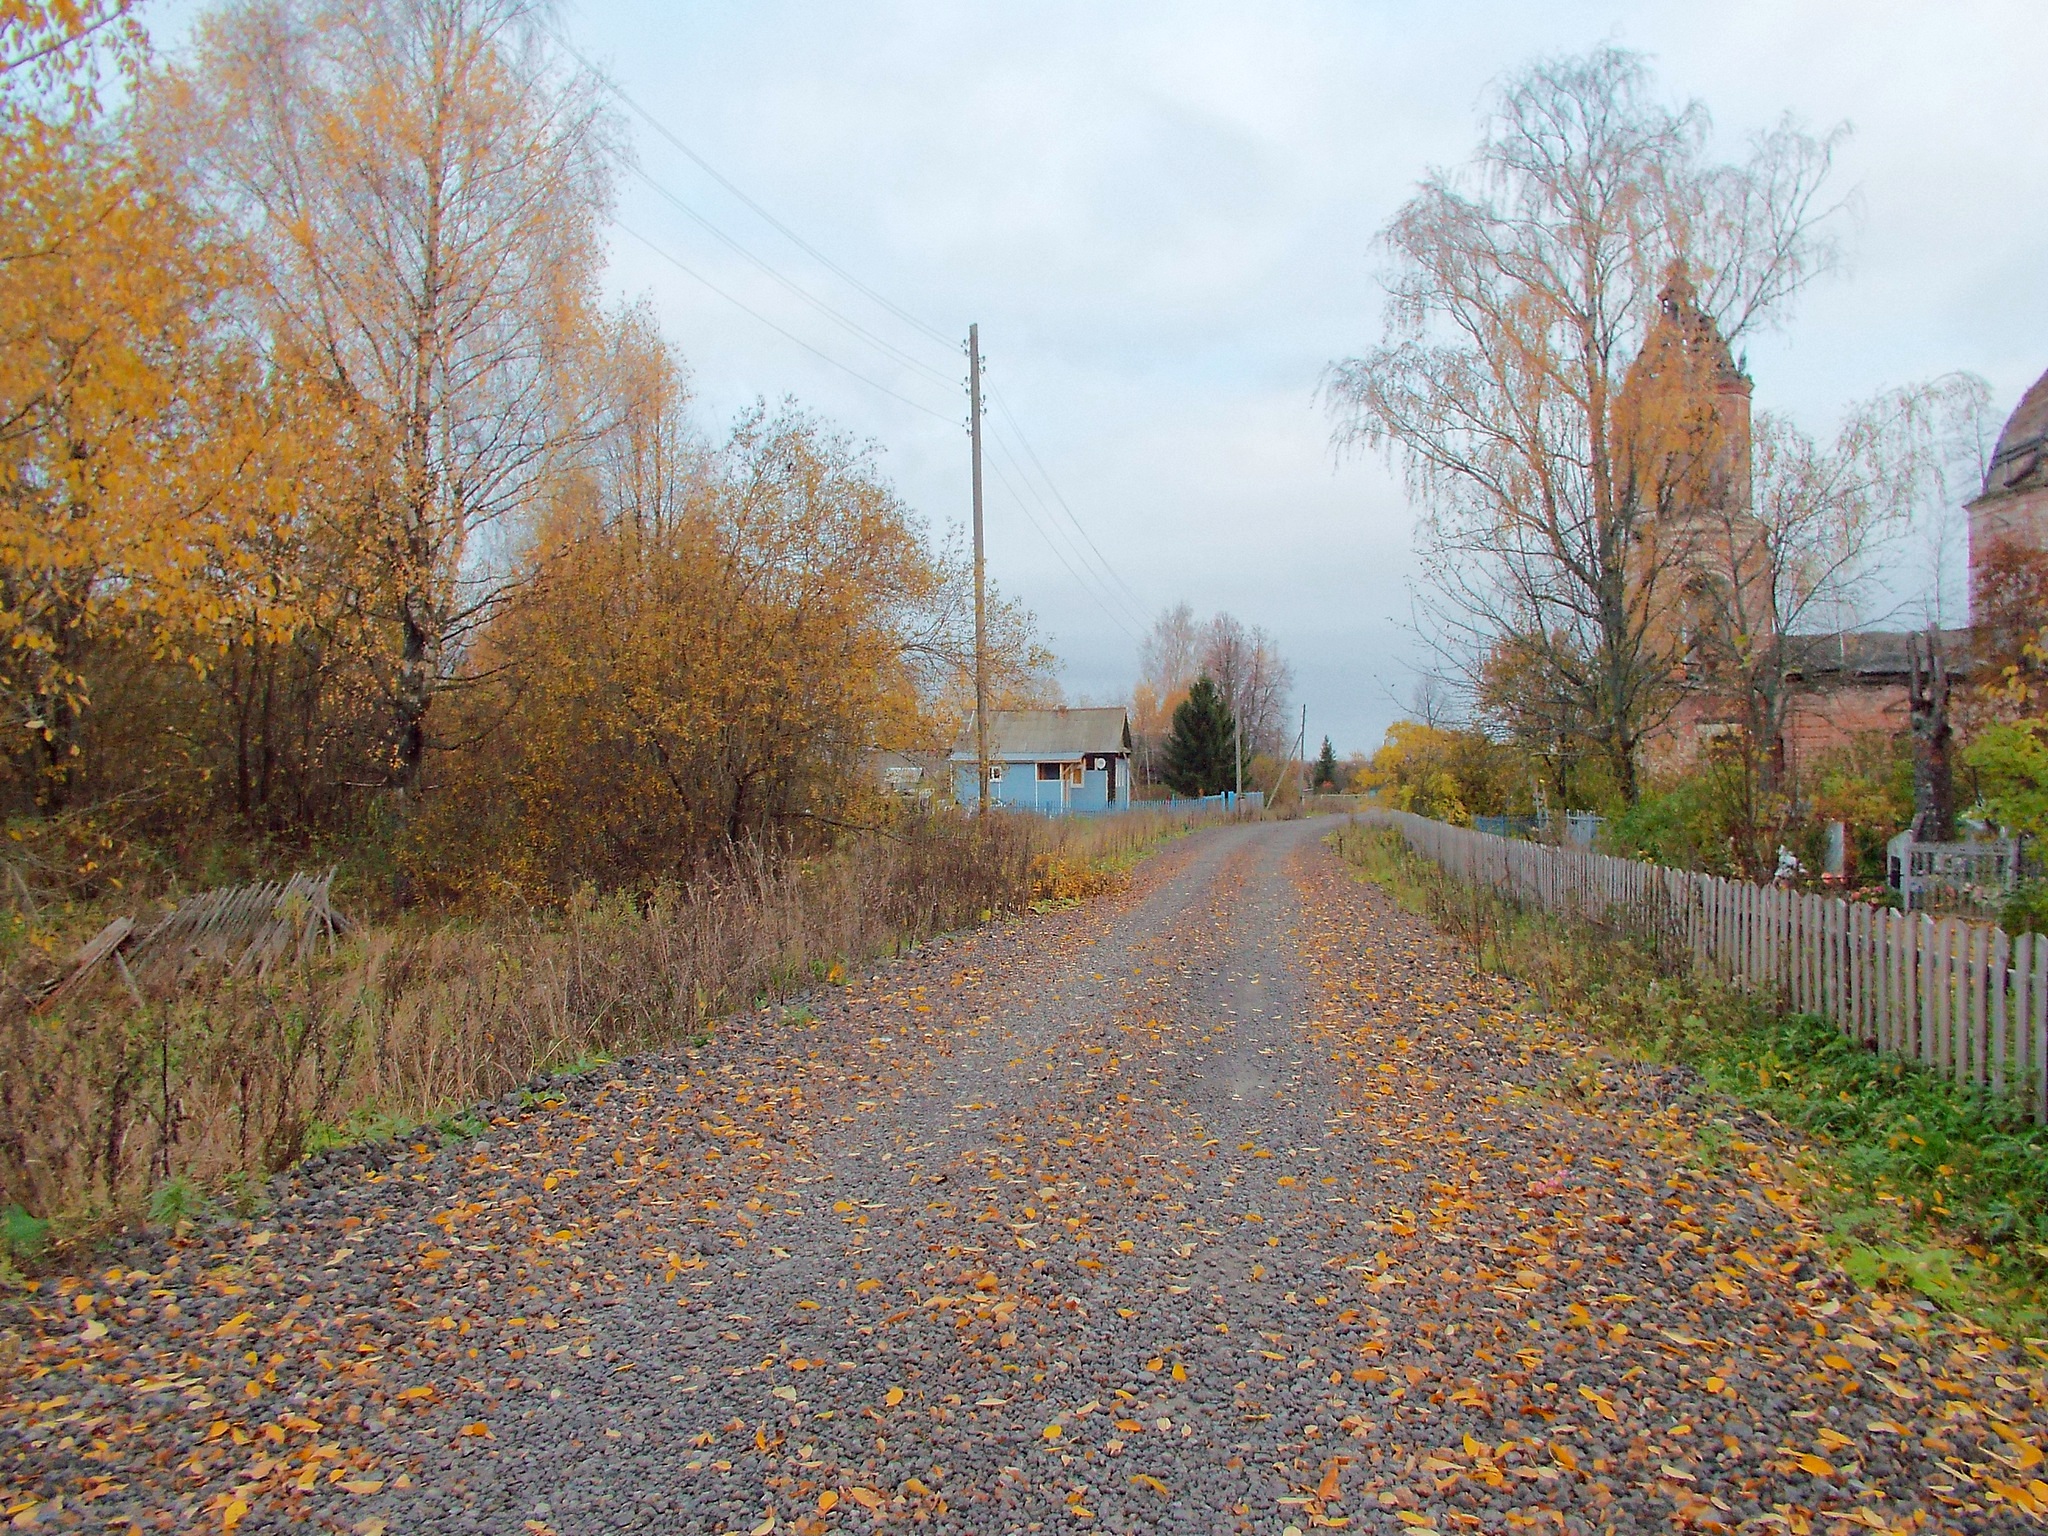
x=1100 y=591
x=1111 y=571
x=1039 y=528
x=794 y=287
x=1114 y=589
x=712 y=171
x=690 y=271
x=1060 y=554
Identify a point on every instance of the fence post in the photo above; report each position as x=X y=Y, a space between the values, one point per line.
x=1978 y=942
x=2037 y=1024
x=1956 y=997
x=1927 y=1046
x=2001 y=956
x=1887 y=981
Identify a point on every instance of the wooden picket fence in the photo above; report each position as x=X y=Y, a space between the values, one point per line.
x=1965 y=998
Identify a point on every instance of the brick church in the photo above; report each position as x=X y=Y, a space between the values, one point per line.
x=1853 y=683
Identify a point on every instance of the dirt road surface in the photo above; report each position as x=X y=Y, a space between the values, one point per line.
x=1235 y=1203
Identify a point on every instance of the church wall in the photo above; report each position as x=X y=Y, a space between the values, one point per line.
x=1819 y=723
x=2009 y=517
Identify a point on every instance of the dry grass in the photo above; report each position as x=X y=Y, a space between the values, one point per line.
x=107 y=1099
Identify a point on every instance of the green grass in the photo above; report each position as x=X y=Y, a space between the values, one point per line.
x=1922 y=1184
x=1933 y=1186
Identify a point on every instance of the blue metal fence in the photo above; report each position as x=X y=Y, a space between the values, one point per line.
x=1581 y=828
x=1250 y=800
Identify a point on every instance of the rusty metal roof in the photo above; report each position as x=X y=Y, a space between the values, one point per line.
x=2020 y=462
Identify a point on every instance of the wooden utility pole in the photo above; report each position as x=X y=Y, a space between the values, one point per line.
x=1301 y=756
x=980 y=568
x=1237 y=749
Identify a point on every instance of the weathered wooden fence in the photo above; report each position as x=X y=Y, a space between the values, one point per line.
x=1961 y=996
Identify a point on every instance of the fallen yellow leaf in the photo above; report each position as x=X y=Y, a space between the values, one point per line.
x=828 y=1501
x=1146 y=1480
x=892 y=1397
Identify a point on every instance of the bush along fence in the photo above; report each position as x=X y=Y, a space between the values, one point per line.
x=1959 y=995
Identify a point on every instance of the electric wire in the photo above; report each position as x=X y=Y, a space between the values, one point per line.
x=823 y=308
x=1098 y=589
x=712 y=171
x=1059 y=554
x=826 y=357
x=1114 y=592
x=1102 y=597
x=1079 y=527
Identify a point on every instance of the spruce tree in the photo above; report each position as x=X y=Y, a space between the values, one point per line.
x=1198 y=752
x=1326 y=765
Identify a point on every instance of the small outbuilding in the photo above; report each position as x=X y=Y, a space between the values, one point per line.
x=1050 y=760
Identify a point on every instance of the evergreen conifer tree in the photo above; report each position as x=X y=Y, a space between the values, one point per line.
x=1198 y=752
x=1326 y=765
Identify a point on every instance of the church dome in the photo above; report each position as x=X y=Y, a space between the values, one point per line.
x=2020 y=462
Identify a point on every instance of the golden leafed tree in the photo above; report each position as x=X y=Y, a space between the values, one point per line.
x=140 y=461
x=424 y=184
x=713 y=644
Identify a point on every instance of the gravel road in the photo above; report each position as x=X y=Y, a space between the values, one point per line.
x=1235 y=1203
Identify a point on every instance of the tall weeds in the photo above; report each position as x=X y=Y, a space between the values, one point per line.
x=109 y=1095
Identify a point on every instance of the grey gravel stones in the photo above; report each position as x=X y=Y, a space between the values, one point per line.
x=1236 y=1204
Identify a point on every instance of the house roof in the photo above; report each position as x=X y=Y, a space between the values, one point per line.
x=2020 y=462
x=923 y=762
x=1049 y=733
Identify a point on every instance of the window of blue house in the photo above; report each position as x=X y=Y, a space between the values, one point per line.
x=1048 y=771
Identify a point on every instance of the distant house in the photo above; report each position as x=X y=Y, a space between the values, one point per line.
x=1050 y=760
x=913 y=775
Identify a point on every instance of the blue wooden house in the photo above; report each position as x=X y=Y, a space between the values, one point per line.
x=1053 y=761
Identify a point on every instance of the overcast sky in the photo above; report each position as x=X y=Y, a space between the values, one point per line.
x=1162 y=216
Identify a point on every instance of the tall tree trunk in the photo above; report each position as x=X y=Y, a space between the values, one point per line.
x=1933 y=776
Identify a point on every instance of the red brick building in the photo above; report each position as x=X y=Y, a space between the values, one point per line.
x=1852 y=684
x=2013 y=507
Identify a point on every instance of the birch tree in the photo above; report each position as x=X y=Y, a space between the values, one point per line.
x=426 y=184
x=1521 y=287
x=1255 y=680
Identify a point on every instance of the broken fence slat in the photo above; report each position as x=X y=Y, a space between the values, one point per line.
x=90 y=954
